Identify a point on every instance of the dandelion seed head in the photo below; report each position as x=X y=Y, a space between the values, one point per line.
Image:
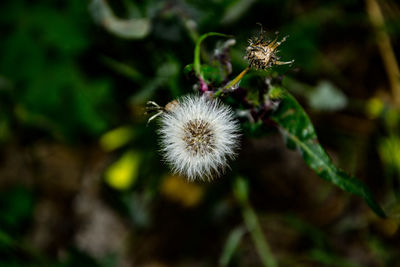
x=198 y=137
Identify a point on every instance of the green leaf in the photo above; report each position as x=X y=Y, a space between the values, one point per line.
x=231 y=245
x=235 y=10
x=211 y=73
x=196 y=61
x=16 y=208
x=299 y=133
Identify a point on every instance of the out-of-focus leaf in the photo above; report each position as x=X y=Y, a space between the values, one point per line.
x=76 y=257
x=393 y=209
x=304 y=34
x=123 y=173
x=328 y=259
x=254 y=129
x=133 y=28
x=231 y=245
x=116 y=138
x=389 y=151
x=211 y=73
x=138 y=206
x=58 y=31
x=196 y=60
x=235 y=10
x=67 y=103
x=381 y=250
x=327 y=97
x=16 y=207
x=123 y=69
x=391 y=118
x=299 y=133
x=188 y=69
x=53 y=93
x=5 y=239
x=166 y=74
x=5 y=131
x=374 y=107
x=241 y=192
x=315 y=236
x=388 y=226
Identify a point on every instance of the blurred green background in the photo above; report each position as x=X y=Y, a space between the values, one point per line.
x=81 y=180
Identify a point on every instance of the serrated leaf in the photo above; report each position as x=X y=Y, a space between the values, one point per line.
x=299 y=132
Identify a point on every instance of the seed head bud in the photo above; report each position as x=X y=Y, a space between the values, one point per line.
x=261 y=53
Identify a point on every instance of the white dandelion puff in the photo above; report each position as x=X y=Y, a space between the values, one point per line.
x=198 y=137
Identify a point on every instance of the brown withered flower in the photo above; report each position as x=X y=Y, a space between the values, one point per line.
x=261 y=53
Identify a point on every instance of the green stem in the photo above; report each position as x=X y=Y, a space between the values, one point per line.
x=196 y=60
x=251 y=221
x=240 y=191
x=231 y=83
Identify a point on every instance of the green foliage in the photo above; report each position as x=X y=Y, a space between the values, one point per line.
x=231 y=245
x=299 y=134
x=325 y=96
x=196 y=61
x=327 y=259
x=166 y=74
x=40 y=58
x=74 y=76
x=241 y=192
x=16 y=207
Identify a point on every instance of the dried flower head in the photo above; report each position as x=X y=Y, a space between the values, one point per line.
x=261 y=53
x=198 y=137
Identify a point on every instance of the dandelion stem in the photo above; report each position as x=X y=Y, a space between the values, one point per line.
x=232 y=83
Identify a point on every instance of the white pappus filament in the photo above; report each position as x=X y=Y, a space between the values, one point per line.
x=198 y=137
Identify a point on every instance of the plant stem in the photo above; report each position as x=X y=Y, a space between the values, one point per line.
x=251 y=221
x=241 y=192
x=385 y=48
x=231 y=83
x=196 y=60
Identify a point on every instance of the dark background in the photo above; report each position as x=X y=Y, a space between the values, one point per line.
x=81 y=180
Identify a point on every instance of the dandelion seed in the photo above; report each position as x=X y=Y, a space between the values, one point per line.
x=198 y=137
